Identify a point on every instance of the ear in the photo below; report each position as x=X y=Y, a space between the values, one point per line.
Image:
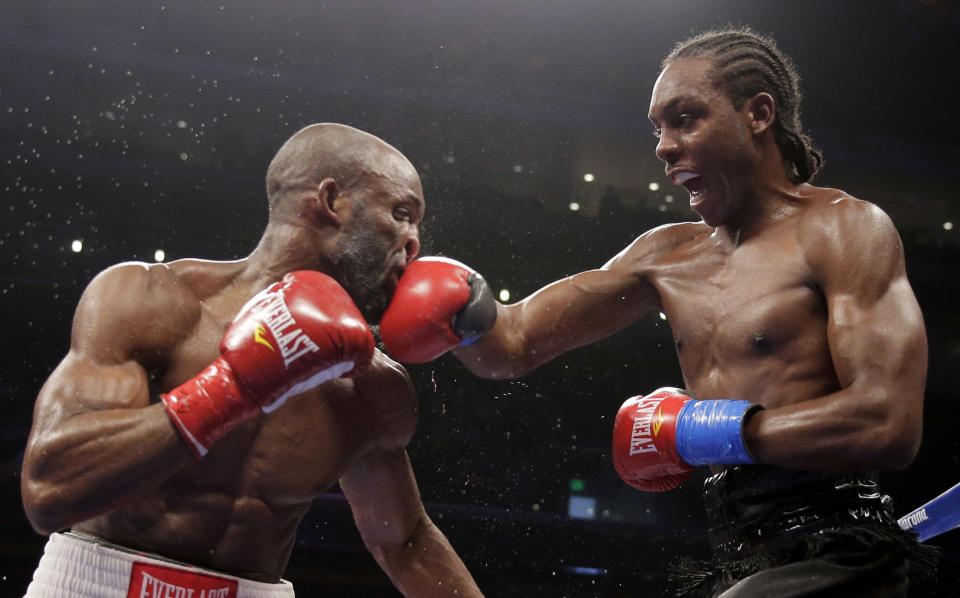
x=761 y=110
x=326 y=202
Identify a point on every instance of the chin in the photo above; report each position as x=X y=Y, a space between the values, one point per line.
x=710 y=218
x=711 y=223
x=373 y=306
x=706 y=219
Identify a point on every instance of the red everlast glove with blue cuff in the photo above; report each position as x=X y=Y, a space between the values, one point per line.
x=439 y=304
x=660 y=437
x=290 y=337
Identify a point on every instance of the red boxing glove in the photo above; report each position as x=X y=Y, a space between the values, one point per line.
x=439 y=304
x=292 y=336
x=644 y=441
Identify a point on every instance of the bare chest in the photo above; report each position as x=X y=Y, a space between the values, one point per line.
x=745 y=319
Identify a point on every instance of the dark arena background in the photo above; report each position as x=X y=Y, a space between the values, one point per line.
x=141 y=130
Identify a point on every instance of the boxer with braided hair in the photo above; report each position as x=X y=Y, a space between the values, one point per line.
x=802 y=345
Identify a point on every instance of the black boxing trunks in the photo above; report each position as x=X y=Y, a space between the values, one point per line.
x=784 y=533
x=80 y=567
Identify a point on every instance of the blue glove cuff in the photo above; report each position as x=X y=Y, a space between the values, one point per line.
x=711 y=432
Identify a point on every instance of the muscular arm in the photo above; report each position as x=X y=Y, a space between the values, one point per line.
x=96 y=440
x=397 y=530
x=878 y=347
x=570 y=313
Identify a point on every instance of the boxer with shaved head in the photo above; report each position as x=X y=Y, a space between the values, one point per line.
x=203 y=405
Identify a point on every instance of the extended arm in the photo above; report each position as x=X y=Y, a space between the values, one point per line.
x=437 y=297
x=397 y=530
x=570 y=313
x=878 y=347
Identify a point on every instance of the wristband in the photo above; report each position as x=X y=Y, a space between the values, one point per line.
x=479 y=315
x=711 y=432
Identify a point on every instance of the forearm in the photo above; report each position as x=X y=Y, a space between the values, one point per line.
x=847 y=431
x=94 y=461
x=567 y=314
x=502 y=353
x=426 y=566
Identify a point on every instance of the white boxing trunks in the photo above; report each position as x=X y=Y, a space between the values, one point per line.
x=78 y=567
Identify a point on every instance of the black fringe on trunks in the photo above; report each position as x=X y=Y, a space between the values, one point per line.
x=697 y=577
x=760 y=517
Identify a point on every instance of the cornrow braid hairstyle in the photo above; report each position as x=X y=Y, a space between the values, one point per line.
x=748 y=63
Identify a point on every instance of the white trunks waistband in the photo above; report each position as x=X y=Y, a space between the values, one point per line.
x=75 y=567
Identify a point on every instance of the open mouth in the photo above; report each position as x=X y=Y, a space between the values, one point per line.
x=690 y=181
x=694 y=187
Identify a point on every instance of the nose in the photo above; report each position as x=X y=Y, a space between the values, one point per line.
x=412 y=246
x=668 y=149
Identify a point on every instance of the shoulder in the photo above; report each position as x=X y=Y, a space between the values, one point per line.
x=387 y=388
x=138 y=286
x=831 y=210
x=135 y=306
x=131 y=277
x=388 y=375
x=653 y=245
x=839 y=232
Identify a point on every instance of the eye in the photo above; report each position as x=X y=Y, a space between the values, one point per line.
x=683 y=121
x=402 y=213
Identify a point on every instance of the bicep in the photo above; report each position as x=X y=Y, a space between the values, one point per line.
x=586 y=307
x=85 y=397
x=878 y=341
x=383 y=496
x=79 y=384
x=875 y=328
x=115 y=324
x=872 y=418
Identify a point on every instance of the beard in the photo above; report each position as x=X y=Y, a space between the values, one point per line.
x=361 y=268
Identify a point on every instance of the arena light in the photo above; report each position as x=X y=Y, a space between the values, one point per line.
x=76 y=246
x=574 y=206
x=159 y=255
x=589 y=177
x=582 y=507
x=948 y=225
x=504 y=295
x=592 y=571
x=654 y=186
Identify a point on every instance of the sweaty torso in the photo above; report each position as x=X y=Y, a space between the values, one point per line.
x=748 y=319
x=238 y=508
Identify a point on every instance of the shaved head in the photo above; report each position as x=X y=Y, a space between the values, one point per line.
x=327 y=150
x=361 y=230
